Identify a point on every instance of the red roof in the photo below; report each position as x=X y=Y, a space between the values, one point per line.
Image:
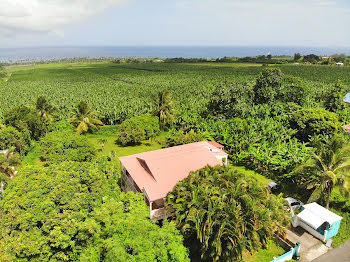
x=216 y=144
x=157 y=172
x=347 y=128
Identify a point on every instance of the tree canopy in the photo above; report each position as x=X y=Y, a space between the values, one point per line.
x=59 y=146
x=222 y=212
x=75 y=212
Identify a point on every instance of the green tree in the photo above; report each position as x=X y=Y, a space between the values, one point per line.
x=8 y=163
x=313 y=121
x=62 y=146
x=76 y=212
x=26 y=120
x=136 y=129
x=312 y=58
x=180 y=138
x=45 y=110
x=222 y=212
x=83 y=118
x=11 y=137
x=297 y=56
x=231 y=100
x=268 y=85
x=328 y=167
x=164 y=108
x=334 y=98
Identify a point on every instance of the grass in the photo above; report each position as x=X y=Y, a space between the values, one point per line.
x=33 y=157
x=263 y=180
x=266 y=255
x=109 y=133
x=344 y=230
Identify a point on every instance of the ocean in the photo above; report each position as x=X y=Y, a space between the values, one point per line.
x=54 y=53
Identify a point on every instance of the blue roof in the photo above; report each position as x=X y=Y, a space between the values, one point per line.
x=347 y=98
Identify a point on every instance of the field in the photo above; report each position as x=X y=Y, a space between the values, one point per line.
x=119 y=91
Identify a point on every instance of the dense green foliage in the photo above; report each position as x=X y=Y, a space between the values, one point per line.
x=180 y=138
x=268 y=85
x=60 y=146
x=222 y=212
x=270 y=119
x=314 y=121
x=83 y=118
x=136 y=129
x=75 y=212
x=9 y=161
x=26 y=120
x=11 y=137
x=327 y=168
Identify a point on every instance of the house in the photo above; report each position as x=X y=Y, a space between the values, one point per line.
x=156 y=173
x=339 y=64
x=318 y=221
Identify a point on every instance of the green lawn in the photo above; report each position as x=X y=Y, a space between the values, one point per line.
x=266 y=255
x=110 y=134
x=263 y=180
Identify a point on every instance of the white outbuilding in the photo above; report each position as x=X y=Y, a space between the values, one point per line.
x=318 y=221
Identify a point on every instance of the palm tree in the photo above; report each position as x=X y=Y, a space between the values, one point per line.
x=83 y=118
x=8 y=162
x=222 y=212
x=44 y=109
x=329 y=167
x=163 y=108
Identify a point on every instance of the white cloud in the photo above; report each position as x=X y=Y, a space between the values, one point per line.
x=20 y=16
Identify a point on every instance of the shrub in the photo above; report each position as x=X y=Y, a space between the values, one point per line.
x=180 y=138
x=134 y=130
x=59 y=146
x=314 y=121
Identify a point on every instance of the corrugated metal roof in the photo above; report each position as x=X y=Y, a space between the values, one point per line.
x=157 y=172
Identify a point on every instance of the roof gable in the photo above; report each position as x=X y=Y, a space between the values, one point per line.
x=157 y=172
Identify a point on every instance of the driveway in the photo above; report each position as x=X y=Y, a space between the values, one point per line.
x=311 y=247
x=340 y=254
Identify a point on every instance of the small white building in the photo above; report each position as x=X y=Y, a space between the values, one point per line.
x=339 y=64
x=318 y=221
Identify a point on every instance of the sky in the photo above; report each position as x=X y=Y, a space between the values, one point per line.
x=313 y=23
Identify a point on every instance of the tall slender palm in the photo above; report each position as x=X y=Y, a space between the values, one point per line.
x=330 y=167
x=83 y=118
x=164 y=108
x=8 y=162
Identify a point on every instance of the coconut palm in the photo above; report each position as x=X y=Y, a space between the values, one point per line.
x=164 y=108
x=44 y=109
x=8 y=162
x=222 y=212
x=83 y=118
x=329 y=167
